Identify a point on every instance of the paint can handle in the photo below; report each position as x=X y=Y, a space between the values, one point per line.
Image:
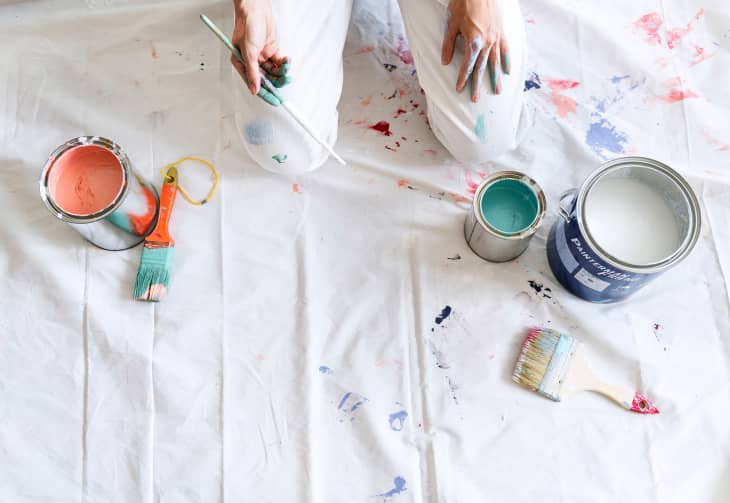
x=566 y=209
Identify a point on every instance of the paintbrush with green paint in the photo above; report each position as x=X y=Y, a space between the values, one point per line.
x=268 y=91
x=153 y=276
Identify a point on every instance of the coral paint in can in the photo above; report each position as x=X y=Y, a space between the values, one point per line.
x=90 y=183
x=632 y=219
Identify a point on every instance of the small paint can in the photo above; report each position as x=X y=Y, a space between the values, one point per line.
x=507 y=210
x=631 y=219
x=89 y=183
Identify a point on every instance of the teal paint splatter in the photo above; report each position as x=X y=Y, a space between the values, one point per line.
x=480 y=129
x=280 y=158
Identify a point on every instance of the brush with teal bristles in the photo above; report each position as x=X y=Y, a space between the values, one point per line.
x=153 y=276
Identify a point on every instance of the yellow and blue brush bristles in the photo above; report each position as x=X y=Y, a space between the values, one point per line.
x=544 y=361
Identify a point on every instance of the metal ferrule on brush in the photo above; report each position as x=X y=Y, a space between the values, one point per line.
x=558 y=367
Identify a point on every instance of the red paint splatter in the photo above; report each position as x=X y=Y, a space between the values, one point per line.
x=675 y=35
x=403 y=138
x=402 y=183
x=404 y=52
x=390 y=148
x=397 y=144
x=677 y=91
x=643 y=405
x=650 y=24
x=415 y=105
x=382 y=127
x=365 y=50
x=366 y=101
x=564 y=104
x=399 y=112
x=458 y=198
x=295 y=188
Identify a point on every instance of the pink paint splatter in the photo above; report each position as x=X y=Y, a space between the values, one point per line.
x=402 y=183
x=530 y=20
x=677 y=91
x=700 y=56
x=564 y=104
x=720 y=147
x=676 y=34
x=650 y=24
x=404 y=52
x=382 y=127
x=643 y=405
x=365 y=50
x=471 y=184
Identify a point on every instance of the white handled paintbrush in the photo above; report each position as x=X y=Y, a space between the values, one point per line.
x=555 y=365
x=265 y=83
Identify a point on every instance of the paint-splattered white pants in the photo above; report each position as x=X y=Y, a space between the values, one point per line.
x=312 y=33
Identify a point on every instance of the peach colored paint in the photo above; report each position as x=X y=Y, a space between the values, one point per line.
x=85 y=180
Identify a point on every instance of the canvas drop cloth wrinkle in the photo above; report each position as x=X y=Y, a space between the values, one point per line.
x=304 y=351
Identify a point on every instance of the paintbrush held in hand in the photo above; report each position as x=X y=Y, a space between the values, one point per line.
x=555 y=366
x=159 y=248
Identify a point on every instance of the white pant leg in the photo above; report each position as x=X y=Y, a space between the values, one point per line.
x=472 y=132
x=312 y=33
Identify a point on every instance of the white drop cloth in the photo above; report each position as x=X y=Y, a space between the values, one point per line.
x=289 y=293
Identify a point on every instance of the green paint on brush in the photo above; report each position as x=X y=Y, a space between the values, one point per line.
x=280 y=158
x=154 y=273
x=509 y=206
x=480 y=129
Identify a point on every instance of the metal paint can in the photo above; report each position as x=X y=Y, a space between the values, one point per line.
x=588 y=270
x=507 y=209
x=122 y=224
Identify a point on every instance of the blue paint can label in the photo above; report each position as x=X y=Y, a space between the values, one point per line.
x=582 y=271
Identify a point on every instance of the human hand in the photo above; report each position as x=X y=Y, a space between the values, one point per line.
x=255 y=37
x=479 y=24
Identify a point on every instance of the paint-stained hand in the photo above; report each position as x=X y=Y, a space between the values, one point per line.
x=255 y=37
x=478 y=22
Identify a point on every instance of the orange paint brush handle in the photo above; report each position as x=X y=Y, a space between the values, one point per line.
x=161 y=234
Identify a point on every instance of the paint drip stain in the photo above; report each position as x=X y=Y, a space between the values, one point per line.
x=280 y=158
x=325 y=370
x=348 y=405
x=678 y=91
x=399 y=487
x=445 y=313
x=397 y=420
x=259 y=132
x=382 y=127
x=533 y=82
x=480 y=129
x=603 y=137
x=564 y=104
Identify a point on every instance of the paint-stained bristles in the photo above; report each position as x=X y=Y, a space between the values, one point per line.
x=537 y=350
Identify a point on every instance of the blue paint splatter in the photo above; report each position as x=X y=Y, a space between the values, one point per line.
x=397 y=420
x=618 y=78
x=259 y=132
x=400 y=487
x=533 y=82
x=480 y=130
x=445 y=312
x=325 y=370
x=603 y=137
x=349 y=403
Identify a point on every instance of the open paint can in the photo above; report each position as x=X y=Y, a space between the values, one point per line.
x=632 y=219
x=89 y=183
x=507 y=210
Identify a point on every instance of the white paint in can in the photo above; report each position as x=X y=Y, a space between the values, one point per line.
x=630 y=220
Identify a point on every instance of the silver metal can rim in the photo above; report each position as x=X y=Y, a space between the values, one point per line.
x=98 y=141
x=689 y=240
x=513 y=175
